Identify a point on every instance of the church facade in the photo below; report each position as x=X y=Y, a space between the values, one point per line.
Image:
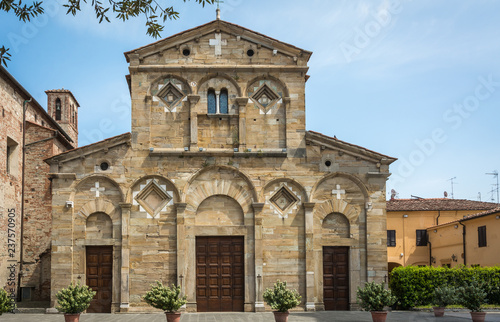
x=219 y=188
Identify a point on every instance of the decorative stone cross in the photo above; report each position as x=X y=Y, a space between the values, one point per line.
x=218 y=43
x=97 y=189
x=338 y=192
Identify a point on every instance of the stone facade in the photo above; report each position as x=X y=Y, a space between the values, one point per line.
x=219 y=147
x=43 y=138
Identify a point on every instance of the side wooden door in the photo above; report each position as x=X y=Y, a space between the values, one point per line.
x=99 y=277
x=336 y=278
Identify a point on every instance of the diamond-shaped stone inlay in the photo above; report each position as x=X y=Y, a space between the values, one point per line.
x=265 y=97
x=283 y=199
x=153 y=198
x=170 y=95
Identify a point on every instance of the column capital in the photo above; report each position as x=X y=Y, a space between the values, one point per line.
x=257 y=206
x=309 y=205
x=242 y=101
x=180 y=206
x=125 y=205
x=193 y=99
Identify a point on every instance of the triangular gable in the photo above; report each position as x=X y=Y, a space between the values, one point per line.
x=90 y=149
x=348 y=148
x=218 y=26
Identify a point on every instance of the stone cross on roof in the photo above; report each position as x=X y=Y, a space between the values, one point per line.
x=97 y=189
x=338 y=191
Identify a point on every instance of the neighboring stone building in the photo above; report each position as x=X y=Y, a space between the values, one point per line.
x=219 y=188
x=473 y=240
x=43 y=137
x=408 y=221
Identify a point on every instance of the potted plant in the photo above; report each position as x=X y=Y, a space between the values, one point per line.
x=473 y=295
x=281 y=299
x=374 y=297
x=443 y=296
x=167 y=299
x=6 y=303
x=74 y=300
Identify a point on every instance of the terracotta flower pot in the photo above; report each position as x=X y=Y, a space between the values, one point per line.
x=379 y=316
x=71 y=317
x=173 y=316
x=478 y=316
x=438 y=311
x=280 y=316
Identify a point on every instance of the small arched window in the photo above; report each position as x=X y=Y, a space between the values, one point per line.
x=212 y=108
x=58 y=109
x=223 y=101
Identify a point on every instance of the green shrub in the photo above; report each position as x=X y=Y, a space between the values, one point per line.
x=165 y=298
x=74 y=299
x=280 y=298
x=6 y=304
x=472 y=295
x=414 y=286
x=374 y=297
x=444 y=296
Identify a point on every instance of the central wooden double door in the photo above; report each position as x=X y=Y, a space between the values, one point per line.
x=220 y=274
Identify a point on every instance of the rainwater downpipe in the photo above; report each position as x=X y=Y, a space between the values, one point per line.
x=464 y=231
x=21 y=235
x=430 y=250
x=437 y=219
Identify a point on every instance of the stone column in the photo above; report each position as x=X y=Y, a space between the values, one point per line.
x=309 y=240
x=125 y=262
x=242 y=132
x=181 y=247
x=193 y=100
x=259 y=301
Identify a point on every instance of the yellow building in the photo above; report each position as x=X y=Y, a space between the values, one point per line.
x=409 y=219
x=472 y=241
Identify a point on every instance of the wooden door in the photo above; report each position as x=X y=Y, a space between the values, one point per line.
x=336 y=278
x=99 y=277
x=220 y=274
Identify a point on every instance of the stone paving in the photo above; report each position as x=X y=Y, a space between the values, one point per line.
x=252 y=317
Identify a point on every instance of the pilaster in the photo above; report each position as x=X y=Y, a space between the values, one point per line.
x=310 y=274
x=259 y=255
x=125 y=258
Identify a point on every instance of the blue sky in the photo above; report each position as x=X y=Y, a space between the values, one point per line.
x=416 y=80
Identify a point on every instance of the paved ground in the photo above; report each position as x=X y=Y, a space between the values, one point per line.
x=252 y=317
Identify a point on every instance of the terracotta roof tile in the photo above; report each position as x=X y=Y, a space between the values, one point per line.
x=469 y=217
x=437 y=204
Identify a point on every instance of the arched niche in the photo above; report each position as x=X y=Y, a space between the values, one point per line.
x=99 y=226
x=336 y=224
x=219 y=210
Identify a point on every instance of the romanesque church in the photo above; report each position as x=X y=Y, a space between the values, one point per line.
x=219 y=187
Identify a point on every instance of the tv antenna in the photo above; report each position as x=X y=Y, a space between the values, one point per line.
x=495 y=175
x=452 y=183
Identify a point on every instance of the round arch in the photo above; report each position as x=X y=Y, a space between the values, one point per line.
x=348 y=176
x=288 y=180
x=76 y=184
x=177 y=193
x=222 y=75
x=179 y=78
x=286 y=92
x=253 y=195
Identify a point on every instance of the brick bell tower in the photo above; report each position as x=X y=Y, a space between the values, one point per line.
x=62 y=106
